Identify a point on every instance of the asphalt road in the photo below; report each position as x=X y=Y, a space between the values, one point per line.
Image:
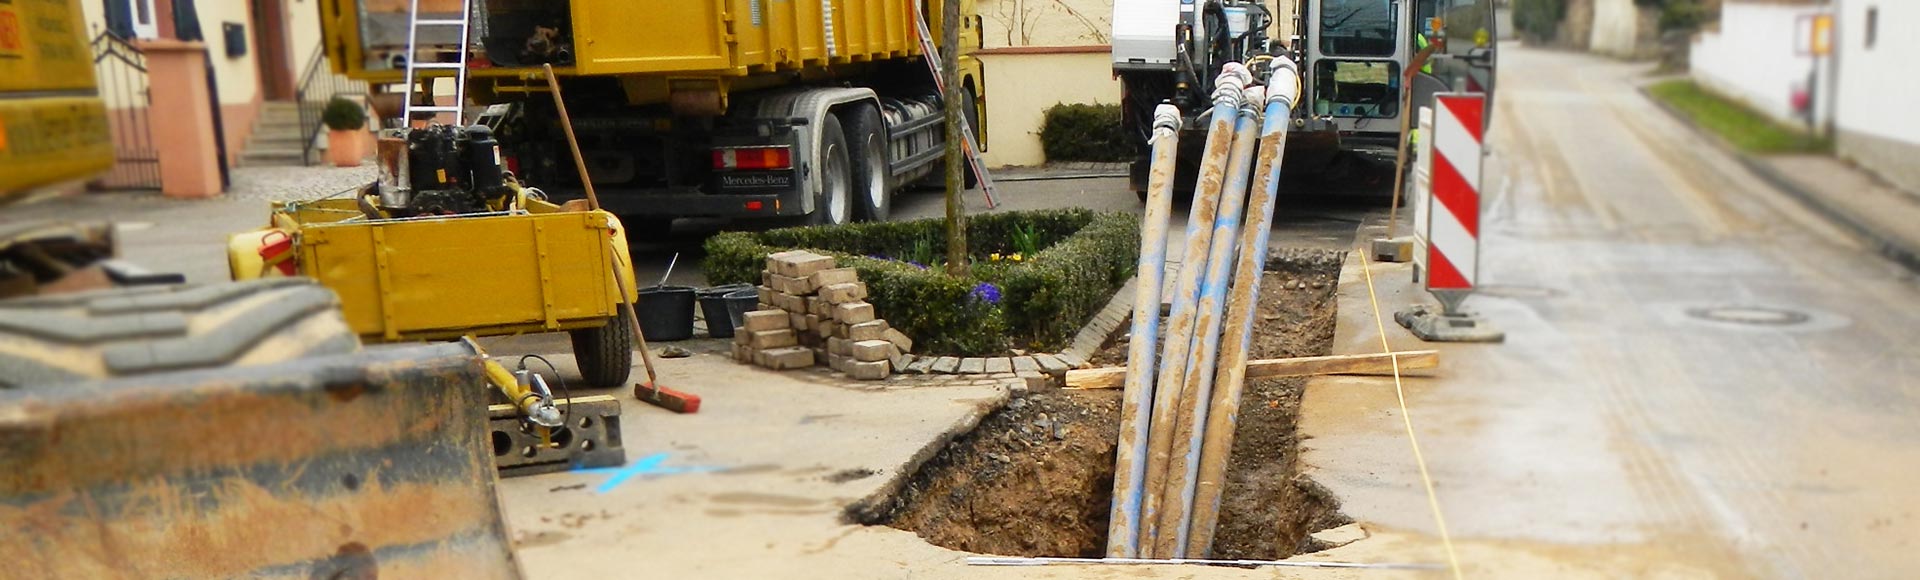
x=1622 y=420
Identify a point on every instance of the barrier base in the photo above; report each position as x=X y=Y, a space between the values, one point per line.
x=1431 y=325
x=1393 y=249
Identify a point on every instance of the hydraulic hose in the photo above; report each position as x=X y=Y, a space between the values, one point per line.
x=1123 y=528
x=1229 y=381
x=1196 y=389
x=1227 y=96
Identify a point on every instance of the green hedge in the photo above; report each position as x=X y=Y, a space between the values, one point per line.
x=1045 y=298
x=1082 y=132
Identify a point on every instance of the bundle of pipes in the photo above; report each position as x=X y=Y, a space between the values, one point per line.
x=1177 y=427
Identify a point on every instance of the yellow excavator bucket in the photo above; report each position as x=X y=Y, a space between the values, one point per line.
x=375 y=463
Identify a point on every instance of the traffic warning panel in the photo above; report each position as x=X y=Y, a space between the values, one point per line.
x=1453 y=216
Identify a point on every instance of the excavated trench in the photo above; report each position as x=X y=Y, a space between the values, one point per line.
x=1035 y=477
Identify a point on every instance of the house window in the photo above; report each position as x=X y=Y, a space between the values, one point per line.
x=132 y=18
x=1873 y=25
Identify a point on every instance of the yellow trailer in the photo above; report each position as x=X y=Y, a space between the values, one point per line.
x=535 y=268
x=799 y=110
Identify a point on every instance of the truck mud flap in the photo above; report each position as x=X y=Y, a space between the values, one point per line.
x=374 y=464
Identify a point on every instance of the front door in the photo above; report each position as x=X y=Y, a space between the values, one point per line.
x=271 y=54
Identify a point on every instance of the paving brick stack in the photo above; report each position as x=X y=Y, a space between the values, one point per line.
x=811 y=311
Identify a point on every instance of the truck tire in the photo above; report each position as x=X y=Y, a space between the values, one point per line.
x=834 y=206
x=605 y=354
x=867 y=147
x=57 y=339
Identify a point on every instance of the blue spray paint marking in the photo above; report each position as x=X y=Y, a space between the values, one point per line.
x=649 y=465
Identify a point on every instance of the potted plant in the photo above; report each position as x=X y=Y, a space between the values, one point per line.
x=346 y=121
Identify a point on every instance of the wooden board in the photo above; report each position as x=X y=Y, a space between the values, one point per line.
x=1344 y=364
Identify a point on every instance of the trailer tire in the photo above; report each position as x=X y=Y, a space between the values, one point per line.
x=834 y=205
x=605 y=354
x=867 y=148
x=68 y=338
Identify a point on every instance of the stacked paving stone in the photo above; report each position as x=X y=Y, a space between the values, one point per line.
x=810 y=310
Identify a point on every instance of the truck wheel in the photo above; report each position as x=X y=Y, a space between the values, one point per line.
x=834 y=206
x=48 y=340
x=605 y=354
x=867 y=146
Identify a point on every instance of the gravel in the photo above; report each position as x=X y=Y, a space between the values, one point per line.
x=284 y=183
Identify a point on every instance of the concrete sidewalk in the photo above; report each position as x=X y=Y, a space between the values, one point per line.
x=1887 y=216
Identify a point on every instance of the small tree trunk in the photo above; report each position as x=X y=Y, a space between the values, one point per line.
x=957 y=264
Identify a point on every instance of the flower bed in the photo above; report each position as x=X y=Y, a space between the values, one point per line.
x=1037 y=275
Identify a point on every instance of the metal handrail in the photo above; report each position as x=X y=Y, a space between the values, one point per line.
x=319 y=84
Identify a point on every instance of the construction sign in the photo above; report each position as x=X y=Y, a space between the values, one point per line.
x=1452 y=215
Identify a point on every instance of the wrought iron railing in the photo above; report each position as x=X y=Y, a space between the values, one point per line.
x=120 y=70
x=319 y=84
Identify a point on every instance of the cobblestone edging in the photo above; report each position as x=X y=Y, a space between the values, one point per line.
x=1037 y=368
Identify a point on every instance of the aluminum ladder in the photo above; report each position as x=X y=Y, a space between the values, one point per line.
x=969 y=145
x=414 y=23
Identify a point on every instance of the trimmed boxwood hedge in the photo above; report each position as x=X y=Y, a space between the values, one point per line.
x=1084 y=257
x=1084 y=132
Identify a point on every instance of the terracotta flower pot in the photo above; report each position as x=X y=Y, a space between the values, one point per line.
x=346 y=148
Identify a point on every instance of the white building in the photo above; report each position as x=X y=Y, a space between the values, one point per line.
x=1877 y=96
x=1758 y=54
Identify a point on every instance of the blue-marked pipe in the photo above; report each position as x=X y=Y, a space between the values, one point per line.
x=1186 y=290
x=1177 y=500
x=1123 y=524
x=1230 y=377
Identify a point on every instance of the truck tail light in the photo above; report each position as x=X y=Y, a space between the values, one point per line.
x=777 y=157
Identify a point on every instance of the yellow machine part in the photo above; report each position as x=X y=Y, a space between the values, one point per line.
x=43 y=47
x=432 y=279
x=53 y=125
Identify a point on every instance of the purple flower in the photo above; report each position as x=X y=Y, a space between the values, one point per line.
x=986 y=292
x=916 y=264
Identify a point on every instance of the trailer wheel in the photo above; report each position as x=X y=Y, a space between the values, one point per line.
x=605 y=354
x=867 y=145
x=834 y=206
x=68 y=338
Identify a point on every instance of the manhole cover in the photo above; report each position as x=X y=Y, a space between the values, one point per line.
x=1754 y=315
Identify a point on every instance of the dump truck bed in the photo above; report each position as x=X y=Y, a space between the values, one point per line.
x=624 y=37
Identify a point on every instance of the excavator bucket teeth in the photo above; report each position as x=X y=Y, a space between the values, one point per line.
x=370 y=464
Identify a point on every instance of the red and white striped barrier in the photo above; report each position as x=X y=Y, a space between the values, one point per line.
x=1446 y=204
x=1453 y=213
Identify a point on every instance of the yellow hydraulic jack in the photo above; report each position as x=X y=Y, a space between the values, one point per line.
x=534 y=431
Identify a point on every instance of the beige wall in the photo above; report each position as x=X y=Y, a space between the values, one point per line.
x=1045 y=22
x=1020 y=87
x=303 y=32
x=239 y=77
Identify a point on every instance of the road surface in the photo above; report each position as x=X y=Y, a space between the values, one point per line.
x=1701 y=378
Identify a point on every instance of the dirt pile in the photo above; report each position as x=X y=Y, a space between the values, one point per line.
x=1035 y=478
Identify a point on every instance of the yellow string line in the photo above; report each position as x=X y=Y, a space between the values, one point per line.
x=1433 y=500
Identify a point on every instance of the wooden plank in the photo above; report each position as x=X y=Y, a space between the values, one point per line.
x=1340 y=364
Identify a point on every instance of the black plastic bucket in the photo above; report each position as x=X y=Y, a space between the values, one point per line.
x=713 y=307
x=666 y=312
x=739 y=303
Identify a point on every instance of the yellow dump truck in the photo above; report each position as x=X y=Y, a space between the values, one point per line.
x=53 y=125
x=800 y=110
